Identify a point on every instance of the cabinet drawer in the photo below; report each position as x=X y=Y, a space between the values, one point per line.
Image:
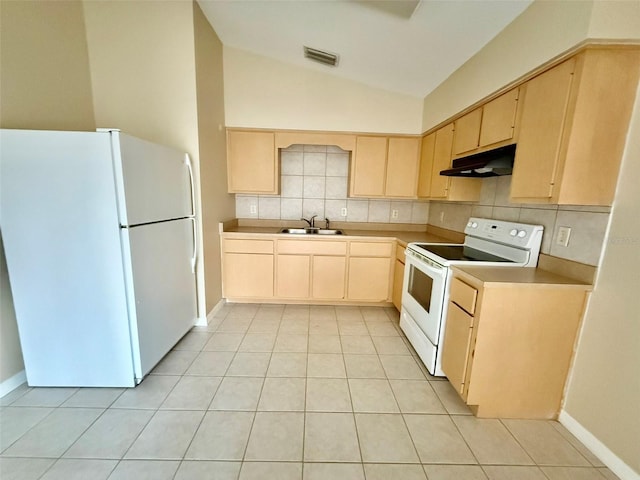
x=313 y=247
x=464 y=295
x=400 y=255
x=248 y=246
x=370 y=249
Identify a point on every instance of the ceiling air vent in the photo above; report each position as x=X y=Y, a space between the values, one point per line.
x=320 y=56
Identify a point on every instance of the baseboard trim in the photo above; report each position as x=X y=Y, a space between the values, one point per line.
x=599 y=449
x=215 y=310
x=11 y=383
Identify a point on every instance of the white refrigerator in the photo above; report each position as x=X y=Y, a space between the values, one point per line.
x=99 y=235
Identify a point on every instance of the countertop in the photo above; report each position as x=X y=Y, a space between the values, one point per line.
x=520 y=275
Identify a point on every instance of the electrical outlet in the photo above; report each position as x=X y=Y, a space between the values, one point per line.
x=343 y=212
x=253 y=209
x=394 y=213
x=441 y=217
x=563 y=236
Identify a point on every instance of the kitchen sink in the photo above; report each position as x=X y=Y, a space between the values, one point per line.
x=312 y=231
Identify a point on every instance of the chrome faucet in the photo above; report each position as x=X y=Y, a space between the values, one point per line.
x=327 y=223
x=311 y=221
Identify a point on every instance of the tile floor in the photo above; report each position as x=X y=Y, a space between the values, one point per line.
x=281 y=392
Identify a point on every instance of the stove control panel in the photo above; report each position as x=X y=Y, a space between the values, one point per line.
x=509 y=233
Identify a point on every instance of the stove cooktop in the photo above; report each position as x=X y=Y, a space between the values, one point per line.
x=461 y=253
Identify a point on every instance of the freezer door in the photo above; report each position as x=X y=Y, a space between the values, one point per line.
x=62 y=243
x=161 y=286
x=153 y=182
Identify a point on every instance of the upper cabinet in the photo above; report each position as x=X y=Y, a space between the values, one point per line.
x=435 y=156
x=385 y=167
x=573 y=128
x=252 y=162
x=491 y=124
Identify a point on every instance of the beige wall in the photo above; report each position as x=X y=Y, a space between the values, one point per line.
x=604 y=390
x=44 y=74
x=217 y=204
x=265 y=93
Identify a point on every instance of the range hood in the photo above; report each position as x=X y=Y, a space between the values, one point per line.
x=485 y=164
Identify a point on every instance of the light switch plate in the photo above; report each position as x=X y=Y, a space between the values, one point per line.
x=563 y=236
x=343 y=212
x=253 y=209
x=394 y=213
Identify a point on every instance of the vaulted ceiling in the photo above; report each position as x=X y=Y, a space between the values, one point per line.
x=404 y=46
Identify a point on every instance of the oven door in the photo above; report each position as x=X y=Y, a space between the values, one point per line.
x=423 y=293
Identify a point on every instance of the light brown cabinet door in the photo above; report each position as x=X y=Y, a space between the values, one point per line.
x=498 y=118
x=402 y=167
x=293 y=276
x=369 y=166
x=328 y=277
x=248 y=275
x=369 y=279
x=251 y=162
x=457 y=346
x=441 y=161
x=398 y=278
x=467 y=132
x=426 y=165
x=544 y=108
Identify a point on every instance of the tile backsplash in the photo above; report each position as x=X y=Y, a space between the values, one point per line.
x=314 y=181
x=588 y=223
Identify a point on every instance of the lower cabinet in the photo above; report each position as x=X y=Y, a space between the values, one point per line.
x=370 y=271
x=248 y=268
x=293 y=276
x=328 y=277
x=509 y=340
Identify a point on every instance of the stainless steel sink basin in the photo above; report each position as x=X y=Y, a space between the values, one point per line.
x=312 y=231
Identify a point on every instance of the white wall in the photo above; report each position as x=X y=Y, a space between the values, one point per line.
x=264 y=93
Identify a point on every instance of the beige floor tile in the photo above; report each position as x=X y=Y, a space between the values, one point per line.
x=193 y=340
x=269 y=312
x=72 y=469
x=224 y=342
x=331 y=437
x=328 y=395
x=14 y=394
x=363 y=366
x=245 y=310
x=454 y=472
x=491 y=442
x=584 y=451
x=390 y=346
x=352 y=328
x=513 y=473
x=571 y=473
x=324 y=344
x=372 y=396
x=296 y=311
x=323 y=327
x=192 y=393
x=249 y=364
x=358 y=344
x=271 y=470
x=211 y=364
x=437 y=439
x=329 y=365
x=372 y=314
x=276 y=436
x=153 y=390
x=349 y=313
x=291 y=343
x=322 y=312
x=544 y=443
x=93 y=397
x=283 y=394
x=333 y=471
x=287 y=365
x=145 y=470
x=111 y=435
x=383 y=329
x=270 y=327
x=55 y=433
x=401 y=367
x=234 y=325
x=221 y=436
x=379 y=471
x=24 y=468
x=208 y=470
x=237 y=393
x=294 y=326
x=44 y=397
x=385 y=439
x=166 y=436
x=416 y=396
x=176 y=362
x=257 y=342
x=608 y=474
x=16 y=421
x=450 y=399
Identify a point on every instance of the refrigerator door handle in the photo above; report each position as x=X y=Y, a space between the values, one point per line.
x=187 y=161
x=194 y=258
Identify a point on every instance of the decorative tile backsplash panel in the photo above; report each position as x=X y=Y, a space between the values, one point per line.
x=314 y=181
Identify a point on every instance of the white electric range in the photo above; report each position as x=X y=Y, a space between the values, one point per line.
x=427 y=276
